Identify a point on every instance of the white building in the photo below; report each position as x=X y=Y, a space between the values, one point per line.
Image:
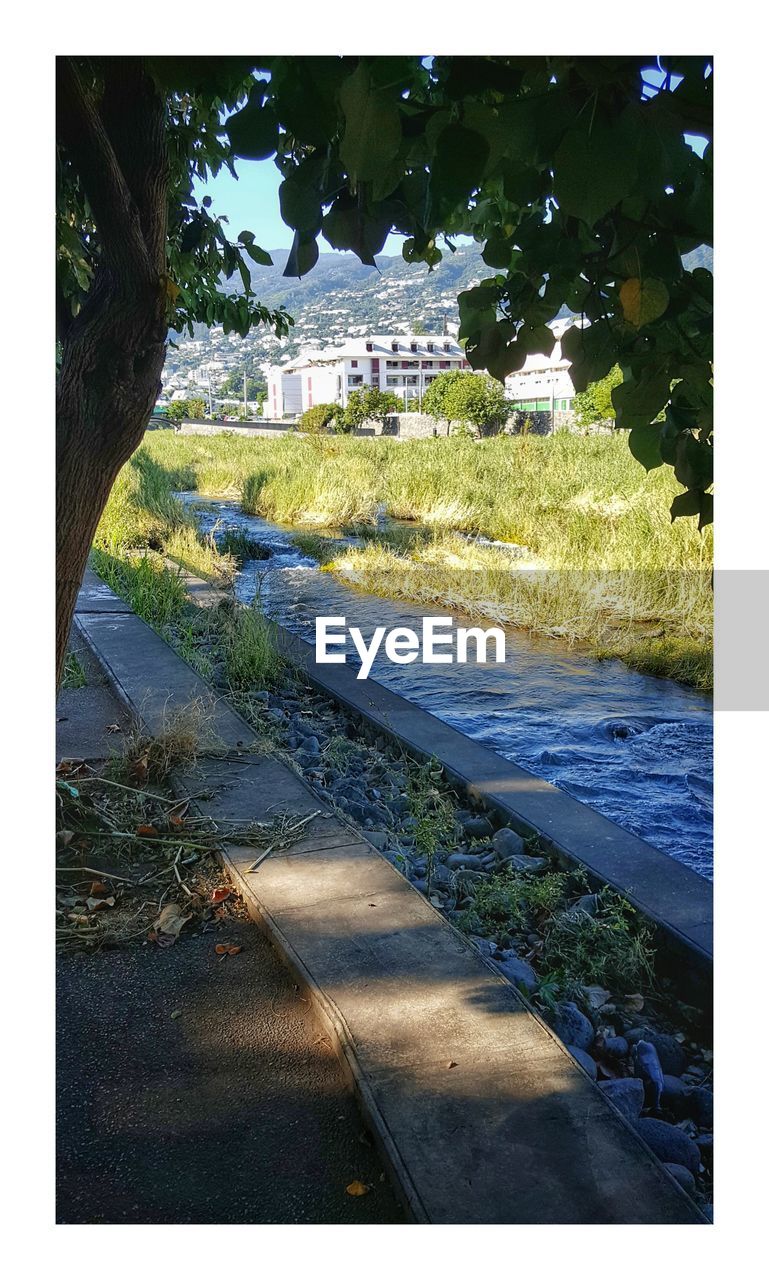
x=544 y=384
x=404 y=364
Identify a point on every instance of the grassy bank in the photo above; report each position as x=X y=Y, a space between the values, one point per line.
x=143 y=531
x=601 y=565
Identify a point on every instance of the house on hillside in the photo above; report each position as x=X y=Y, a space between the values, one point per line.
x=405 y=364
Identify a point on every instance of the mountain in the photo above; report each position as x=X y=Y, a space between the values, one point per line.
x=339 y=298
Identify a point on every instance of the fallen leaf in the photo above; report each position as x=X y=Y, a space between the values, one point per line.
x=176 y=821
x=177 y=1013
x=65 y=837
x=76 y=919
x=98 y=904
x=146 y=829
x=168 y=925
x=114 y=728
x=219 y=895
x=227 y=949
x=452 y=1064
x=357 y=1189
x=98 y=889
x=597 y=996
x=634 y=1002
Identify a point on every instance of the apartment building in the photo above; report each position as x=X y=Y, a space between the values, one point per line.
x=404 y=364
x=543 y=384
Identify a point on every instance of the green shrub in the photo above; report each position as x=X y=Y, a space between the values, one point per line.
x=611 y=949
x=318 y=418
x=509 y=902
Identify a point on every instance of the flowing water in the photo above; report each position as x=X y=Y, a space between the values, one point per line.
x=635 y=748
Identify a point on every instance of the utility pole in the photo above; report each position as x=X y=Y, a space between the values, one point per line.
x=245 y=397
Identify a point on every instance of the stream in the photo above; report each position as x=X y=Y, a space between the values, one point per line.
x=635 y=748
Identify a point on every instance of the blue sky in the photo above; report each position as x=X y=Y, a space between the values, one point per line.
x=250 y=202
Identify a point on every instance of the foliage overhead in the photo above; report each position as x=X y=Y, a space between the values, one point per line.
x=574 y=172
x=595 y=403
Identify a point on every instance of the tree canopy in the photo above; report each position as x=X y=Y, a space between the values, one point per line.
x=574 y=173
x=595 y=403
x=470 y=398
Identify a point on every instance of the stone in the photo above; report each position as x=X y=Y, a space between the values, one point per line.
x=522 y=862
x=477 y=828
x=615 y=1047
x=588 y=903
x=705 y=1145
x=311 y=745
x=684 y=1177
x=463 y=862
x=701 y=1107
x=646 y=1067
x=420 y=885
x=671 y=1055
x=668 y=1143
x=379 y=839
x=627 y=1096
x=675 y=1096
x=262 y=695
x=507 y=843
x=571 y=1025
x=584 y=1060
x=516 y=971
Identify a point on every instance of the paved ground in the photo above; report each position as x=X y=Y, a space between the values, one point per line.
x=235 y=1111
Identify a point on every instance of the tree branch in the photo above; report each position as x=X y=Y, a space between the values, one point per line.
x=82 y=132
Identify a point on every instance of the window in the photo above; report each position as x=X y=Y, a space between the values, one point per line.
x=395 y=346
x=431 y=346
x=447 y=346
x=413 y=346
x=355 y=379
x=392 y=364
x=410 y=364
x=427 y=364
x=369 y=346
x=353 y=364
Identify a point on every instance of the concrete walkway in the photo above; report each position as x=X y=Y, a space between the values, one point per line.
x=480 y=1112
x=235 y=1111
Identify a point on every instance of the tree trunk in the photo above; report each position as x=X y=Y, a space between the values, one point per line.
x=113 y=351
x=101 y=418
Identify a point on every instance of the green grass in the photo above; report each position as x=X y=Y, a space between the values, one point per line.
x=73 y=675
x=509 y=902
x=153 y=591
x=602 y=565
x=611 y=949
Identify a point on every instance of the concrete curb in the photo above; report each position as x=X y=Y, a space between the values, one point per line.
x=480 y=1112
x=677 y=901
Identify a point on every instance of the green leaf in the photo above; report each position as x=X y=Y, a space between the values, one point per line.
x=460 y=159
x=300 y=205
x=253 y=132
x=348 y=226
x=637 y=401
x=592 y=171
x=372 y=133
x=644 y=445
x=260 y=256
x=303 y=256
